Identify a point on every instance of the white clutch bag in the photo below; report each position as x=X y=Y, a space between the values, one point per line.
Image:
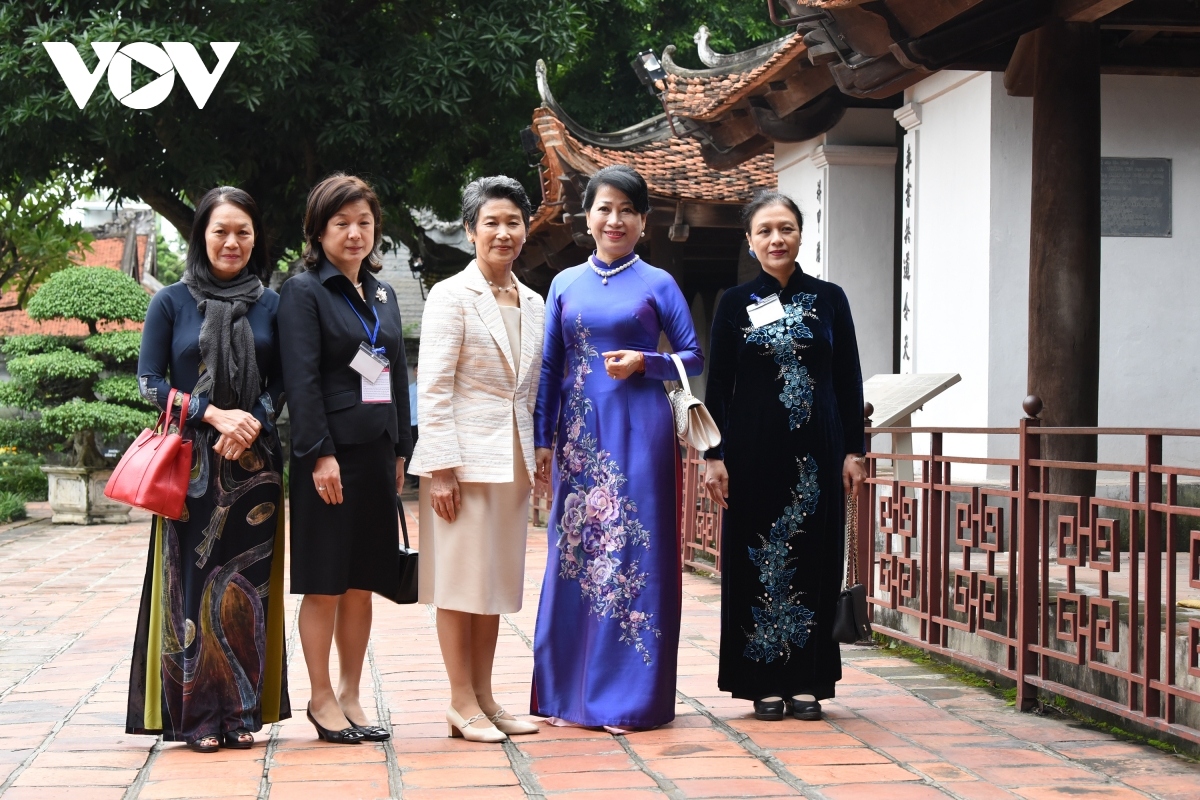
x=693 y=424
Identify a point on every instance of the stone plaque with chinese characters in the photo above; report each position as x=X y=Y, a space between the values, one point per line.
x=1135 y=197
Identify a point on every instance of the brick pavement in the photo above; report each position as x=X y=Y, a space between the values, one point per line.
x=68 y=602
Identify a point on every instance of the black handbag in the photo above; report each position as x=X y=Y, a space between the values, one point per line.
x=852 y=620
x=406 y=592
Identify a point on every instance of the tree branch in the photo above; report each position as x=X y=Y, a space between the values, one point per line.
x=177 y=212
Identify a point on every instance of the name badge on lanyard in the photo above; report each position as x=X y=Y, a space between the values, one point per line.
x=765 y=311
x=371 y=363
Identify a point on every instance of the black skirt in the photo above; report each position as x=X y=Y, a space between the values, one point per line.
x=355 y=544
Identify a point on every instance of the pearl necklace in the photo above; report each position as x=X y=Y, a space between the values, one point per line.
x=510 y=288
x=605 y=274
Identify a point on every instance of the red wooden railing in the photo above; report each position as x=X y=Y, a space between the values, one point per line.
x=1038 y=587
x=700 y=534
x=1073 y=595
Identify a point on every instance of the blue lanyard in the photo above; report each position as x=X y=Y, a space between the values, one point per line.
x=372 y=335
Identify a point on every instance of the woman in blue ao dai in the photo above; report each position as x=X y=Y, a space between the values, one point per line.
x=608 y=624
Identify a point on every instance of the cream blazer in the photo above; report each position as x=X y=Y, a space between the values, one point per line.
x=468 y=386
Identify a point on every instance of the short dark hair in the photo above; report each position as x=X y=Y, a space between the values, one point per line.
x=766 y=198
x=624 y=179
x=326 y=199
x=497 y=187
x=197 y=254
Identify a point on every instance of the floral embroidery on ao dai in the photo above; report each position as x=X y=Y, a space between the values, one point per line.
x=608 y=623
x=788 y=399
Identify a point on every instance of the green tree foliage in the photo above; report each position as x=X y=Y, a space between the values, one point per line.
x=91 y=295
x=115 y=347
x=34 y=239
x=419 y=96
x=108 y=419
x=51 y=377
x=20 y=474
x=170 y=263
x=12 y=507
x=57 y=395
x=121 y=388
x=600 y=89
x=17 y=346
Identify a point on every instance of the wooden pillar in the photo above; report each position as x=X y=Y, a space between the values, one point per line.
x=1064 y=258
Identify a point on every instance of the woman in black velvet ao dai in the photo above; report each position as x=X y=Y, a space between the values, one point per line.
x=787 y=396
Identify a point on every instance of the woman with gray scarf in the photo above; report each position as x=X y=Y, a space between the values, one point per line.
x=209 y=663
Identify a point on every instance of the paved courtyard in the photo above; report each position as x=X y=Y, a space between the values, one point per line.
x=897 y=731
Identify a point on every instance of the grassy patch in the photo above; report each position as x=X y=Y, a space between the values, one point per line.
x=1051 y=703
x=20 y=473
x=12 y=507
x=964 y=676
x=1063 y=706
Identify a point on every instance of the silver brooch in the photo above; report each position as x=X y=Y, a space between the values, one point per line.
x=380 y=294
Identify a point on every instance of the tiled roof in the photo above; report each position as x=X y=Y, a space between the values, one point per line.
x=18 y=323
x=673 y=168
x=104 y=253
x=705 y=96
x=108 y=252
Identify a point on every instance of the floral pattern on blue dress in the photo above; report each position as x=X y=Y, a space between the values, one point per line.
x=599 y=525
x=782 y=621
x=782 y=338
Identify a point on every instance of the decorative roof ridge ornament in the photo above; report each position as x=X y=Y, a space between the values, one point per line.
x=654 y=129
x=753 y=59
x=735 y=62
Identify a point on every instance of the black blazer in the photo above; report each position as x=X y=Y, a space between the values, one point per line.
x=319 y=336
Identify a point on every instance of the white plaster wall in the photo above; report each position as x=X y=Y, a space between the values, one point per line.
x=852 y=223
x=1149 y=325
x=1008 y=290
x=973 y=262
x=798 y=177
x=954 y=250
x=861 y=255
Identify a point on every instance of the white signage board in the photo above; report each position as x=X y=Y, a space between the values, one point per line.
x=895 y=397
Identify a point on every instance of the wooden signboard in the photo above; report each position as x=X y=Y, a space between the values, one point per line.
x=895 y=398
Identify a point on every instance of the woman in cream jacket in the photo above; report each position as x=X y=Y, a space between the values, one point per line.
x=481 y=356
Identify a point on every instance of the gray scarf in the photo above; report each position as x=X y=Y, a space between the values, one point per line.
x=226 y=340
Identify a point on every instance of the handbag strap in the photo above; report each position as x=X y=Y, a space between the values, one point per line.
x=851 y=540
x=164 y=421
x=683 y=379
x=403 y=522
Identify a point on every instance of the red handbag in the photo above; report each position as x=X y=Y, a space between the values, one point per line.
x=155 y=470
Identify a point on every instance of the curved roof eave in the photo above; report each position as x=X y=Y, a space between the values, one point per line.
x=720 y=63
x=736 y=64
x=654 y=129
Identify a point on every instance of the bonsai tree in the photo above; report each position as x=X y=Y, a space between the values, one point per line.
x=67 y=390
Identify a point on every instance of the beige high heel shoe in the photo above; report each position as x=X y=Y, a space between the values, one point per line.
x=512 y=726
x=459 y=727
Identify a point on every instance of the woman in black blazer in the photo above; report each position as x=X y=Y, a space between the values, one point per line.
x=342 y=343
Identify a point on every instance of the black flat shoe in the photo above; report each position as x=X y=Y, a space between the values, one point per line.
x=769 y=710
x=202 y=745
x=806 y=709
x=233 y=739
x=373 y=733
x=351 y=735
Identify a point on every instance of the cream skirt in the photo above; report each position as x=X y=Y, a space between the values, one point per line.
x=477 y=563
